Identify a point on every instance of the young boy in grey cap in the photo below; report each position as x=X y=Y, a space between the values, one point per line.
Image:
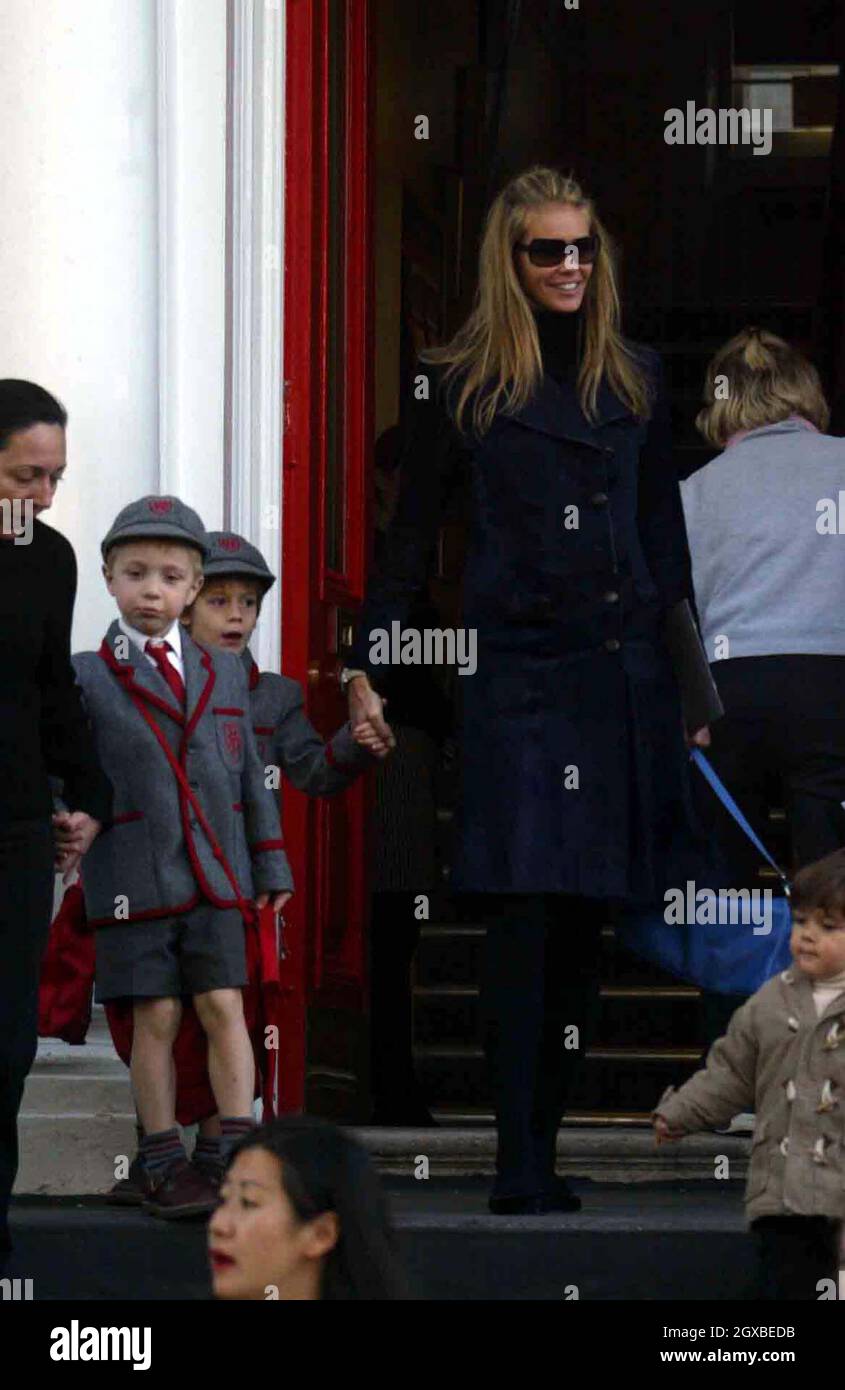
x=195 y=843
x=224 y=615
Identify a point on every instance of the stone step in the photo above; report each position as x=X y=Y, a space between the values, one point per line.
x=604 y=1154
x=77 y=1117
x=679 y=1240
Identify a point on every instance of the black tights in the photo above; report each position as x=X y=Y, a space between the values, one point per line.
x=539 y=1008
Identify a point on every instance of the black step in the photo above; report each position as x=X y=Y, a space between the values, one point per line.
x=449 y=954
x=646 y=1016
x=625 y=1079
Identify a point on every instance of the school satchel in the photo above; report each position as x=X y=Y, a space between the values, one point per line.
x=719 y=939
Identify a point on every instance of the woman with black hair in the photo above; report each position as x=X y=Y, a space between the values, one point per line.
x=43 y=732
x=302 y=1216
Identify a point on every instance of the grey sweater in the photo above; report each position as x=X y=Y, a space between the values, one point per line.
x=768 y=559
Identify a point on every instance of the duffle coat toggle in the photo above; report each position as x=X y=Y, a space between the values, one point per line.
x=793 y=1082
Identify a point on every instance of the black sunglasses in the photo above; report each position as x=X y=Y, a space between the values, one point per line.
x=548 y=251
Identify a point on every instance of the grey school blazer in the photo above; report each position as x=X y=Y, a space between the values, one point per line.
x=209 y=834
x=286 y=737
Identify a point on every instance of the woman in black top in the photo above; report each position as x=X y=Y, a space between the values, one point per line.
x=574 y=777
x=43 y=730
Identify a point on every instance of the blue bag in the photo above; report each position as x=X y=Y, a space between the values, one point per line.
x=746 y=944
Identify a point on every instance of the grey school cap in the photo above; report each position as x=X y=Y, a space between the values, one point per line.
x=157 y=519
x=230 y=553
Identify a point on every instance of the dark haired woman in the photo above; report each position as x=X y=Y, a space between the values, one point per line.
x=301 y=1216
x=43 y=731
x=574 y=783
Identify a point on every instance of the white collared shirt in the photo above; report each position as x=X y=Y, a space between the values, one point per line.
x=173 y=636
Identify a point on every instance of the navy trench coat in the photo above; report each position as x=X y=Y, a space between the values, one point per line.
x=574 y=764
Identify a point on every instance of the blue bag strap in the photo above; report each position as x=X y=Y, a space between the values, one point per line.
x=730 y=805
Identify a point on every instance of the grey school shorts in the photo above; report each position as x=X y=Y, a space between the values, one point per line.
x=200 y=950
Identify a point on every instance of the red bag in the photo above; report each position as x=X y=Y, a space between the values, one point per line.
x=67 y=972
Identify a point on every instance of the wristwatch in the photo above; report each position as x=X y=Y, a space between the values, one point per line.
x=347 y=674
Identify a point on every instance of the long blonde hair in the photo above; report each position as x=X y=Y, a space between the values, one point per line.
x=767 y=380
x=497 y=349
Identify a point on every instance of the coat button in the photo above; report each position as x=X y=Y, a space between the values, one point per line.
x=611 y=596
x=612 y=644
x=608 y=452
x=784 y=1146
x=599 y=499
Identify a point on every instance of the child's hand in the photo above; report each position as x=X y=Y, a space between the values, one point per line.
x=74 y=833
x=366 y=735
x=279 y=900
x=662 y=1133
x=366 y=706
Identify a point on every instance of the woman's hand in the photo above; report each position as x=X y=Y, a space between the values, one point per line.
x=700 y=739
x=366 y=715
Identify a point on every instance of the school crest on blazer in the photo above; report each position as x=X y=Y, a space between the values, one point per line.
x=193 y=819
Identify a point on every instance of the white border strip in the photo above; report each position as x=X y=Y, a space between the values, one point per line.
x=255 y=259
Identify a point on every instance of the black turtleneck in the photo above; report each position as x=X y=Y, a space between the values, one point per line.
x=560 y=336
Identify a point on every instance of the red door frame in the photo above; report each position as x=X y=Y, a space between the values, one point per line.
x=312 y=594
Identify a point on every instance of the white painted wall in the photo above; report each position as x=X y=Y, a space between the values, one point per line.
x=257 y=100
x=192 y=251
x=78 y=251
x=113 y=252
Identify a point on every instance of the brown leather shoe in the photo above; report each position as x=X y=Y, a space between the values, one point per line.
x=213 y=1172
x=181 y=1191
x=132 y=1191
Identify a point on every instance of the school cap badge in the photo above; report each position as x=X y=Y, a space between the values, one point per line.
x=158 y=518
x=231 y=554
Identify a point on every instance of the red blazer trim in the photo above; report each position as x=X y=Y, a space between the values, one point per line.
x=211 y=679
x=154 y=913
x=237 y=805
x=123 y=671
x=220 y=709
x=263 y=729
x=127 y=816
x=261 y=845
x=186 y=795
x=254 y=674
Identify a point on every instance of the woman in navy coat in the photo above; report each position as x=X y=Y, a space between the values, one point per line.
x=574 y=763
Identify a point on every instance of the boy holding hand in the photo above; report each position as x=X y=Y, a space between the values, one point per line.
x=194 y=847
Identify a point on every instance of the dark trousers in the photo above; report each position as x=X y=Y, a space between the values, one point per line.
x=781 y=743
x=26 y=900
x=793 y=1254
x=394 y=937
x=540 y=979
